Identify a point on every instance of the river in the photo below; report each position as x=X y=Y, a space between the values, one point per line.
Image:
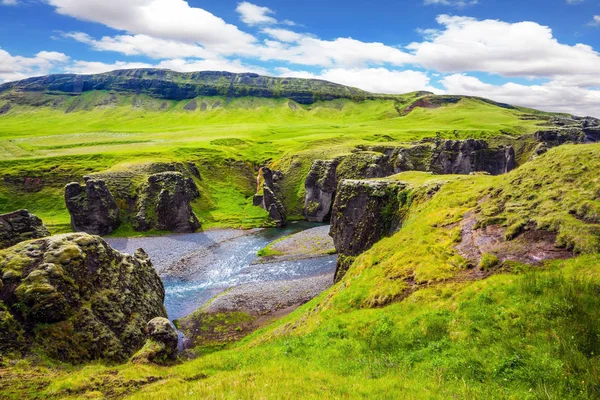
x=196 y=267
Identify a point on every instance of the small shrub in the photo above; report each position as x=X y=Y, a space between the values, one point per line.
x=488 y=261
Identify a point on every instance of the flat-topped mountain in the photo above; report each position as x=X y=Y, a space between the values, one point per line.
x=171 y=85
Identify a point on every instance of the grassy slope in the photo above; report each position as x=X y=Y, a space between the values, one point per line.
x=523 y=333
x=47 y=142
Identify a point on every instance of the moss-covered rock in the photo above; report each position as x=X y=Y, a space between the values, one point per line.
x=76 y=299
x=19 y=226
x=164 y=204
x=161 y=346
x=92 y=207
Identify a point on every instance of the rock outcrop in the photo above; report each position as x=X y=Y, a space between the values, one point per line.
x=161 y=346
x=467 y=156
x=436 y=156
x=363 y=213
x=320 y=185
x=92 y=207
x=164 y=204
x=19 y=226
x=76 y=299
x=270 y=198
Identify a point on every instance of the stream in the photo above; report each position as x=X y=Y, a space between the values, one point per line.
x=196 y=267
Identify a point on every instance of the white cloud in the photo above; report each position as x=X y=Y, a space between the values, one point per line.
x=252 y=14
x=376 y=80
x=341 y=52
x=452 y=3
x=131 y=45
x=595 y=21
x=165 y=19
x=525 y=49
x=95 y=67
x=549 y=97
x=9 y=2
x=575 y=1
x=180 y=65
x=283 y=35
x=19 y=67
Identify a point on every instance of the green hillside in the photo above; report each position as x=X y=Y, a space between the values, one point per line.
x=55 y=138
x=411 y=319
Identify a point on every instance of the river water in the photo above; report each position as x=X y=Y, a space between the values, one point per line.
x=196 y=267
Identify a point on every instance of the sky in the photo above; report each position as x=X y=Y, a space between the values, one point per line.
x=536 y=53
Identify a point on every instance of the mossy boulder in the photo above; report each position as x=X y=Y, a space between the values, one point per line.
x=76 y=299
x=164 y=204
x=19 y=226
x=92 y=207
x=161 y=346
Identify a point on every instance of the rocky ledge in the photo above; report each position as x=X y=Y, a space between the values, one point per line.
x=20 y=226
x=76 y=299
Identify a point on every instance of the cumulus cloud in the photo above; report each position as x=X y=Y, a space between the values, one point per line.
x=180 y=65
x=525 y=49
x=18 y=67
x=341 y=52
x=552 y=96
x=376 y=80
x=165 y=19
x=252 y=14
x=595 y=20
x=132 y=45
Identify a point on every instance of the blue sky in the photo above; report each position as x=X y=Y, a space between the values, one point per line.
x=536 y=53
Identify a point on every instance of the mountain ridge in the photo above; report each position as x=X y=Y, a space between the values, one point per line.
x=171 y=85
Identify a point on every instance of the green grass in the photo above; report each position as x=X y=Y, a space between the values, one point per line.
x=525 y=332
x=57 y=147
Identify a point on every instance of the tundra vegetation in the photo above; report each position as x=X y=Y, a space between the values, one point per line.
x=477 y=286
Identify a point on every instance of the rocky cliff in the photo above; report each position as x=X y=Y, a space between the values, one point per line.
x=20 y=226
x=320 y=185
x=363 y=213
x=92 y=207
x=76 y=299
x=437 y=156
x=269 y=195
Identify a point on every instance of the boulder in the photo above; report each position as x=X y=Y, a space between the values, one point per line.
x=92 y=207
x=270 y=199
x=164 y=204
x=161 y=345
x=363 y=213
x=76 y=299
x=320 y=186
x=19 y=226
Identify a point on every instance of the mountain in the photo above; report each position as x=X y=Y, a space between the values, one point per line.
x=170 y=85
